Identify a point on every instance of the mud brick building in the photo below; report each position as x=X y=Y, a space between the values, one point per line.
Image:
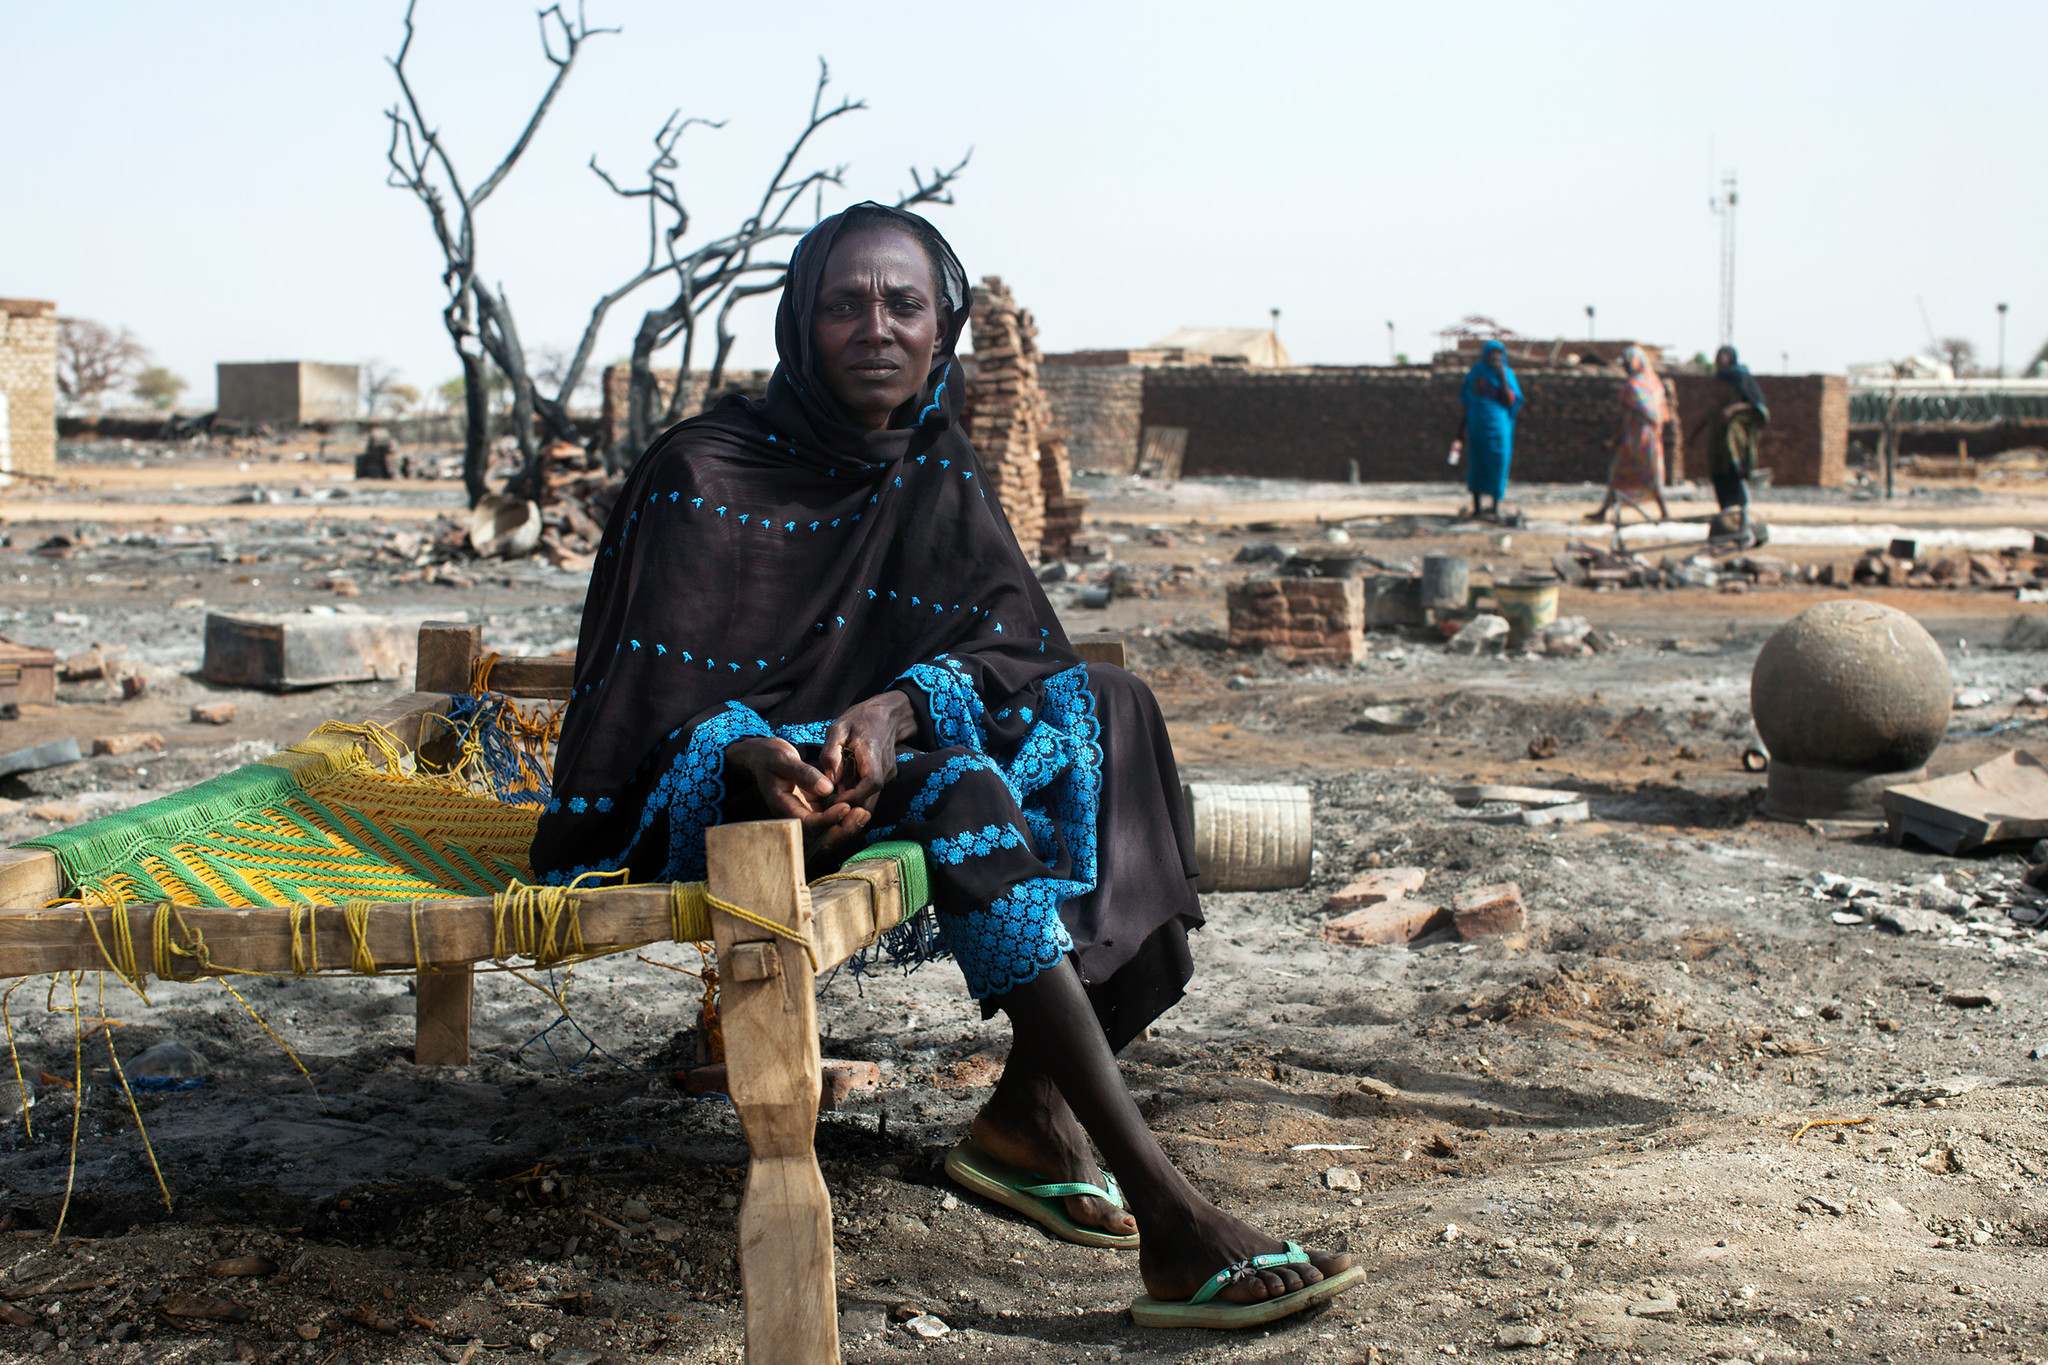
x=28 y=388
x=1300 y=620
x=1395 y=424
x=617 y=379
x=288 y=393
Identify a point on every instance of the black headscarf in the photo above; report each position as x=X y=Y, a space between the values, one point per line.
x=1737 y=377
x=768 y=565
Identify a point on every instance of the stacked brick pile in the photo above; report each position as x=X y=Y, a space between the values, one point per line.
x=1300 y=620
x=1004 y=406
x=1064 y=508
x=1012 y=427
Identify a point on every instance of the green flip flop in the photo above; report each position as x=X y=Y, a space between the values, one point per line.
x=1040 y=1200
x=1198 y=1311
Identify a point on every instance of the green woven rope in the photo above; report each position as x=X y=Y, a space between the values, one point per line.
x=92 y=849
x=910 y=870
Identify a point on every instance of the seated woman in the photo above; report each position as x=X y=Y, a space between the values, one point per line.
x=812 y=607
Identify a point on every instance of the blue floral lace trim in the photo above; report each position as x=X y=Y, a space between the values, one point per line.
x=958 y=848
x=689 y=795
x=1056 y=779
x=1011 y=942
x=956 y=707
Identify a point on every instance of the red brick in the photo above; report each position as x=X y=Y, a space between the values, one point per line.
x=1395 y=921
x=133 y=742
x=1488 y=910
x=1384 y=884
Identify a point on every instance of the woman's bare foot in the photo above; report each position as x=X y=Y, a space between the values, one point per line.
x=1176 y=1261
x=1026 y=1124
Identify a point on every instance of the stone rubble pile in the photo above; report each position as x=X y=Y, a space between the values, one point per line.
x=1996 y=904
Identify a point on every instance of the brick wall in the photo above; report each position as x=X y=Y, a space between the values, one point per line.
x=1807 y=441
x=1398 y=423
x=1098 y=408
x=28 y=378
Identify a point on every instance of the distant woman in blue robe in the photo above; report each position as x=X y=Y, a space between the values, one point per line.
x=1492 y=398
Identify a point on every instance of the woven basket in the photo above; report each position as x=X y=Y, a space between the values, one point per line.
x=1249 y=838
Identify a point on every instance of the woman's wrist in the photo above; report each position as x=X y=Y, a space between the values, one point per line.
x=902 y=716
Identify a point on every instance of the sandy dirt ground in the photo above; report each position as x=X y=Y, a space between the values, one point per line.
x=1579 y=1142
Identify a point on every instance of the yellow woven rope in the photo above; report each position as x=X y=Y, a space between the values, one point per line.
x=387 y=745
x=355 y=917
x=689 y=914
x=306 y=959
x=148 y=1147
x=14 y=1053
x=759 y=922
x=122 y=957
x=540 y=922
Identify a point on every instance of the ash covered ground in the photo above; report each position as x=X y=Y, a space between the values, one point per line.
x=1580 y=1136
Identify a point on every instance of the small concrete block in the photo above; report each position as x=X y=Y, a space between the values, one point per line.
x=1519 y=1334
x=85 y=667
x=1488 y=910
x=1396 y=921
x=1383 y=884
x=214 y=713
x=1342 y=1178
x=133 y=742
x=51 y=755
x=133 y=686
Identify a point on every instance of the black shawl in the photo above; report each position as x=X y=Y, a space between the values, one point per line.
x=1742 y=383
x=768 y=565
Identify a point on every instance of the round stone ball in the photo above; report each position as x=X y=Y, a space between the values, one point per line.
x=1851 y=686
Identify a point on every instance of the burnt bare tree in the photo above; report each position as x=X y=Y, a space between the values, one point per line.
x=476 y=318
x=723 y=272
x=93 y=360
x=716 y=275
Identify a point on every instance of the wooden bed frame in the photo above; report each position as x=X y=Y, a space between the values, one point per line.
x=767 y=992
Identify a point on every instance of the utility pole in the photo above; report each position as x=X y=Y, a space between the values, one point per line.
x=1723 y=205
x=2001 y=341
x=1391 y=352
x=1589 y=322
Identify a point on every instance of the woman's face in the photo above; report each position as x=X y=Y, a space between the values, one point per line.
x=1723 y=358
x=877 y=323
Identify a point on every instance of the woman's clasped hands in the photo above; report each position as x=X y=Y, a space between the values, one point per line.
x=835 y=797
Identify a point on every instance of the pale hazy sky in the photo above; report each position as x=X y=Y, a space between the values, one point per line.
x=211 y=175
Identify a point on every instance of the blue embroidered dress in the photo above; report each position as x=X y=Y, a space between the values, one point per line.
x=767 y=566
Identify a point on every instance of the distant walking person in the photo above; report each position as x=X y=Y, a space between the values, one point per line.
x=1492 y=398
x=1734 y=429
x=1637 y=473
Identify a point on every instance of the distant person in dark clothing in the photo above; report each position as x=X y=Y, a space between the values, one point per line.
x=1734 y=429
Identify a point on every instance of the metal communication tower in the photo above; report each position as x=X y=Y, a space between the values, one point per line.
x=1723 y=205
